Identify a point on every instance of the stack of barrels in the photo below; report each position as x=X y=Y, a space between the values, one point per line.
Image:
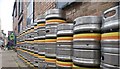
x=64 y=45
x=41 y=40
x=35 y=46
x=110 y=39
x=29 y=41
x=86 y=42
x=52 y=43
x=30 y=38
x=53 y=18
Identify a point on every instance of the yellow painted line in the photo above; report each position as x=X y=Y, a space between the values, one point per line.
x=50 y=40
x=61 y=63
x=41 y=24
x=86 y=34
x=31 y=42
x=27 y=52
x=77 y=67
x=55 y=20
x=43 y=57
x=64 y=38
x=111 y=34
x=26 y=61
x=50 y=60
x=37 y=41
x=29 y=31
x=36 y=55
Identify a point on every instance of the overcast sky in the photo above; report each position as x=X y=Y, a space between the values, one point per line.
x=6 y=8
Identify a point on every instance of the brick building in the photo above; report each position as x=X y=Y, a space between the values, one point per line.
x=24 y=13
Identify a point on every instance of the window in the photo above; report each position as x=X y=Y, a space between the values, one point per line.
x=15 y=12
x=30 y=12
x=63 y=3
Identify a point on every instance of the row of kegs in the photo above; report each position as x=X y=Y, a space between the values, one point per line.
x=90 y=42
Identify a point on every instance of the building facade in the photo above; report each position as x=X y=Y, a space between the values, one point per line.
x=24 y=13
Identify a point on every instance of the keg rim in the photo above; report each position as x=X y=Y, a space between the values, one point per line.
x=81 y=20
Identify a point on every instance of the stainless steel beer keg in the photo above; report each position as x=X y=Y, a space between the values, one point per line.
x=64 y=45
x=40 y=41
x=86 y=41
x=53 y=18
x=110 y=39
x=87 y=32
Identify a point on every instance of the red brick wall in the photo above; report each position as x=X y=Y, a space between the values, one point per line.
x=87 y=8
x=24 y=14
x=76 y=9
x=72 y=11
x=42 y=7
x=15 y=26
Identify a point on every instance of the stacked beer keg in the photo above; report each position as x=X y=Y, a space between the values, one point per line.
x=35 y=35
x=35 y=46
x=64 y=45
x=110 y=39
x=86 y=42
x=26 y=39
x=31 y=43
x=40 y=39
x=53 y=18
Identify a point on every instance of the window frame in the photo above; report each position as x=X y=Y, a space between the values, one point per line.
x=20 y=24
x=30 y=13
x=20 y=8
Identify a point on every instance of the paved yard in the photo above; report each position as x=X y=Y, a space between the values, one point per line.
x=9 y=60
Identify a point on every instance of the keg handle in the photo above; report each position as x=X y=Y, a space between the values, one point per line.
x=87 y=44
x=47 y=31
x=30 y=36
x=110 y=10
x=74 y=22
x=102 y=57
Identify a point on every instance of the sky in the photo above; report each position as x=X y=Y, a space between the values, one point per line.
x=6 y=9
